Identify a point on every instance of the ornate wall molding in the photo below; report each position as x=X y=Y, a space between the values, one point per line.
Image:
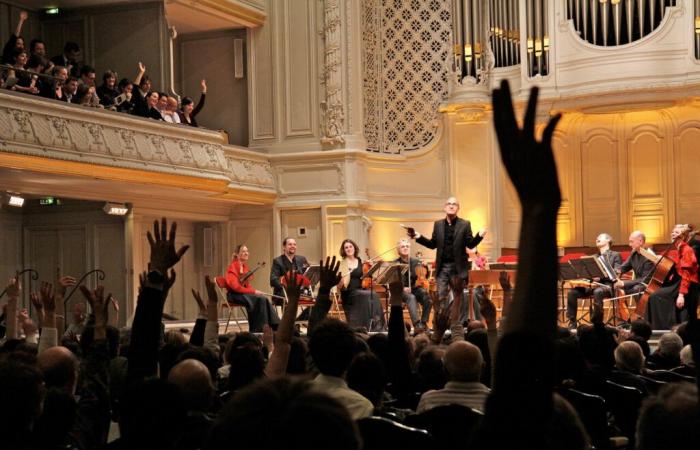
x=333 y=126
x=48 y=129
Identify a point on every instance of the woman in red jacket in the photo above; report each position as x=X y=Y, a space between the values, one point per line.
x=240 y=292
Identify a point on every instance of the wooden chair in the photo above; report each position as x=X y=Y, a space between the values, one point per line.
x=223 y=289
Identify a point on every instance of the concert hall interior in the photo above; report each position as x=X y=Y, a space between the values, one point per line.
x=342 y=124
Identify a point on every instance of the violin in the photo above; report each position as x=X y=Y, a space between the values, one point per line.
x=366 y=281
x=243 y=277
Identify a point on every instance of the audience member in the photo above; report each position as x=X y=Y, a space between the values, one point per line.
x=463 y=363
x=668 y=354
x=108 y=91
x=670 y=420
x=148 y=108
x=15 y=42
x=629 y=362
x=189 y=111
x=332 y=347
x=124 y=100
x=170 y=114
x=37 y=47
x=69 y=58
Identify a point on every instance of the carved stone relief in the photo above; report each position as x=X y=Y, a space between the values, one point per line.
x=55 y=134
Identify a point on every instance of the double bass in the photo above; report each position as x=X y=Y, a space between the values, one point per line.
x=662 y=269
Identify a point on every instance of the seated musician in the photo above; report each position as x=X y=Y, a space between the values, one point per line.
x=641 y=266
x=240 y=292
x=413 y=294
x=361 y=306
x=601 y=288
x=677 y=299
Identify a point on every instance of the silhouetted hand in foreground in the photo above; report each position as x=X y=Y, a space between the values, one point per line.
x=530 y=163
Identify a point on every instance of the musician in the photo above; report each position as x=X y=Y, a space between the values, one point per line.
x=451 y=236
x=287 y=261
x=412 y=294
x=258 y=307
x=361 y=306
x=677 y=299
x=636 y=262
x=603 y=288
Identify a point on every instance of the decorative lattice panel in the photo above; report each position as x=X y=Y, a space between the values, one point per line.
x=405 y=47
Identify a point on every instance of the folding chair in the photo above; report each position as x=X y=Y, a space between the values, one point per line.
x=221 y=284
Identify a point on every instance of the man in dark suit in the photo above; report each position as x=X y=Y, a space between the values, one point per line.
x=451 y=237
x=603 y=288
x=641 y=266
x=287 y=261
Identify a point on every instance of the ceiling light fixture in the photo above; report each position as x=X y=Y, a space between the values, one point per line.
x=16 y=200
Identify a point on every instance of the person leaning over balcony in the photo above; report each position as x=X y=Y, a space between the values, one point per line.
x=125 y=103
x=107 y=91
x=141 y=88
x=189 y=111
x=15 y=41
x=148 y=109
x=30 y=80
x=54 y=88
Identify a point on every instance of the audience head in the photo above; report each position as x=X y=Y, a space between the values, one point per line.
x=641 y=328
x=60 y=72
x=195 y=383
x=670 y=345
x=172 y=104
x=145 y=84
x=125 y=85
x=367 y=376
x=109 y=79
x=298 y=354
x=60 y=368
x=152 y=415
x=332 y=347
x=598 y=345
x=463 y=362
x=687 y=356
x=646 y=350
x=21 y=396
x=162 y=101
x=79 y=308
x=187 y=105
x=152 y=99
x=430 y=369
x=36 y=63
x=629 y=357
x=37 y=47
x=275 y=414
x=71 y=51
x=19 y=57
x=247 y=366
x=19 y=43
x=670 y=420
x=88 y=75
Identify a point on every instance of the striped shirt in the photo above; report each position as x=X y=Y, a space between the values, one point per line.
x=470 y=394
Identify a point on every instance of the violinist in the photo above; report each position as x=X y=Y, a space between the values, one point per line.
x=677 y=299
x=413 y=293
x=240 y=292
x=361 y=306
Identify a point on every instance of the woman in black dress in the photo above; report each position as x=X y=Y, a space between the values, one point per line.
x=361 y=306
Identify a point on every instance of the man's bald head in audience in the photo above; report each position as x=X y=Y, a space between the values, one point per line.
x=59 y=366
x=193 y=378
x=463 y=361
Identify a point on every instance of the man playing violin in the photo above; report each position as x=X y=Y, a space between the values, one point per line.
x=284 y=263
x=636 y=262
x=601 y=288
x=412 y=293
x=240 y=292
x=451 y=236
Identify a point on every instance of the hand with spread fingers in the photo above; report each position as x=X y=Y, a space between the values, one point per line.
x=99 y=305
x=212 y=293
x=292 y=286
x=522 y=154
x=330 y=275
x=163 y=253
x=14 y=287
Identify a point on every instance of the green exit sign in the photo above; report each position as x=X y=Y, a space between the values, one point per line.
x=49 y=201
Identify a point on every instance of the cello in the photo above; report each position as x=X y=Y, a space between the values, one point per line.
x=662 y=268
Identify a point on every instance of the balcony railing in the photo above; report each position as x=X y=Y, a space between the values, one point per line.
x=33 y=126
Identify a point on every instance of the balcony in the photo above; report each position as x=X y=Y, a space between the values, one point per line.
x=48 y=136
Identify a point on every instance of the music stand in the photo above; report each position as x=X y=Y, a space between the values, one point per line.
x=313 y=273
x=586 y=267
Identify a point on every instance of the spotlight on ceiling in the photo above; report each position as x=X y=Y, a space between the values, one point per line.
x=116 y=209
x=15 y=200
